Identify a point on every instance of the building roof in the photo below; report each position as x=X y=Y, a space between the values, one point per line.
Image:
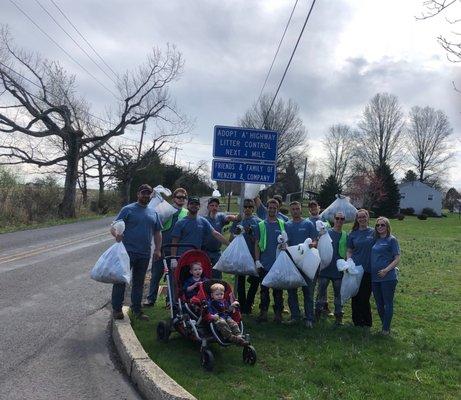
x=417 y=184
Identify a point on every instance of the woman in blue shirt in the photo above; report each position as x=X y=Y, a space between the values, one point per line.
x=385 y=256
x=359 y=244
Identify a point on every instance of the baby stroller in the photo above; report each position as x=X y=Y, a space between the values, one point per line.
x=186 y=318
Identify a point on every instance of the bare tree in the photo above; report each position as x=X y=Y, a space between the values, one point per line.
x=340 y=146
x=44 y=122
x=283 y=118
x=434 y=8
x=429 y=144
x=380 y=132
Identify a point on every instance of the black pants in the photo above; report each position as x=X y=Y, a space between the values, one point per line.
x=277 y=294
x=361 y=310
x=247 y=299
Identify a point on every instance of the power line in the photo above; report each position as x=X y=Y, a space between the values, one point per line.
x=83 y=37
x=60 y=47
x=289 y=62
x=76 y=43
x=277 y=51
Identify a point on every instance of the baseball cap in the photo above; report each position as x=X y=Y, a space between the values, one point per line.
x=193 y=199
x=213 y=200
x=145 y=188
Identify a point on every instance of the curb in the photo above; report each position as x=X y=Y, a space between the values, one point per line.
x=151 y=381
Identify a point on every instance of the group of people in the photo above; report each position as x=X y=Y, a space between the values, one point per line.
x=376 y=249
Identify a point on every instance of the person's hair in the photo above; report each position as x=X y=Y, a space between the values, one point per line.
x=278 y=198
x=194 y=264
x=388 y=226
x=249 y=201
x=217 y=286
x=180 y=190
x=273 y=201
x=295 y=203
x=312 y=203
x=356 y=221
x=213 y=200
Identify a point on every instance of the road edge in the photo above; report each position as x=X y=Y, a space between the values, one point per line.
x=151 y=381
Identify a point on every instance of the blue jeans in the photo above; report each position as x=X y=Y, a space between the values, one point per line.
x=156 y=276
x=383 y=293
x=138 y=265
x=322 y=294
x=308 y=294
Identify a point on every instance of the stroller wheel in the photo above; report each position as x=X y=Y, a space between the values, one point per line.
x=207 y=359
x=249 y=355
x=163 y=331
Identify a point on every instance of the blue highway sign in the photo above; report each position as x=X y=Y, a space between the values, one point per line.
x=238 y=171
x=245 y=144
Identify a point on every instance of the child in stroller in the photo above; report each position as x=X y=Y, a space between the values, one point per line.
x=191 y=317
x=222 y=313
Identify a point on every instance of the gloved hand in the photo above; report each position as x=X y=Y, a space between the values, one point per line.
x=174 y=263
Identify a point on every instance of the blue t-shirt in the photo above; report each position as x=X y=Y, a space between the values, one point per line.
x=210 y=244
x=299 y=231
x=250 y=224
x=261 y=212
x=383 y=253
x=332 y=271
x=140 y=223
x=192 y=231
x=268 y=256
x=360 y=242
x=188 y=282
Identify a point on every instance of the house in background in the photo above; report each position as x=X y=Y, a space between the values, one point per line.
x=418 y=196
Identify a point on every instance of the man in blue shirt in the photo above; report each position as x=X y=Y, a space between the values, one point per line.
x=217 y=220
x=298 y=230
x=140 y=224
x=265 y=255
x=179 y=200
x=193 y=229
x=250 y=225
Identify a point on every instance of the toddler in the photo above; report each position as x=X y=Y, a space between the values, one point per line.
x=220 y=310
x=191 y=284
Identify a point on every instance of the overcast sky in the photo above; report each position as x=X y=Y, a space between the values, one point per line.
x=351 y=50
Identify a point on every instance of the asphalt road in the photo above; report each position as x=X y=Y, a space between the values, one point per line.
x=54 y=320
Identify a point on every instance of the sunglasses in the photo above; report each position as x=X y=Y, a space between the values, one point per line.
x=340 y=218
x=181 y=197
x=379 y=225
x=248 y=206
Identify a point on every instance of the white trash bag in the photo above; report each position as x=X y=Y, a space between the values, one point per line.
x=352 y=277
x=343 y=204
x=114 y=264
x=237 y=259
x=252 y=190
x=324 y=245
x=311 y=260
x=283 y=274
x=157 y=203
x=216 y=193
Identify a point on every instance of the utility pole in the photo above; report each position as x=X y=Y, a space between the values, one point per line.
x=189 y=166
x=175 y=151
x=142 y=137
x=304 y=180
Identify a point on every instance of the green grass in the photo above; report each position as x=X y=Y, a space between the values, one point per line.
x=51 y=222
x=420 y=360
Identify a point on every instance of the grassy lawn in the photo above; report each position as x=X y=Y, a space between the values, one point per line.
x=420 y=360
